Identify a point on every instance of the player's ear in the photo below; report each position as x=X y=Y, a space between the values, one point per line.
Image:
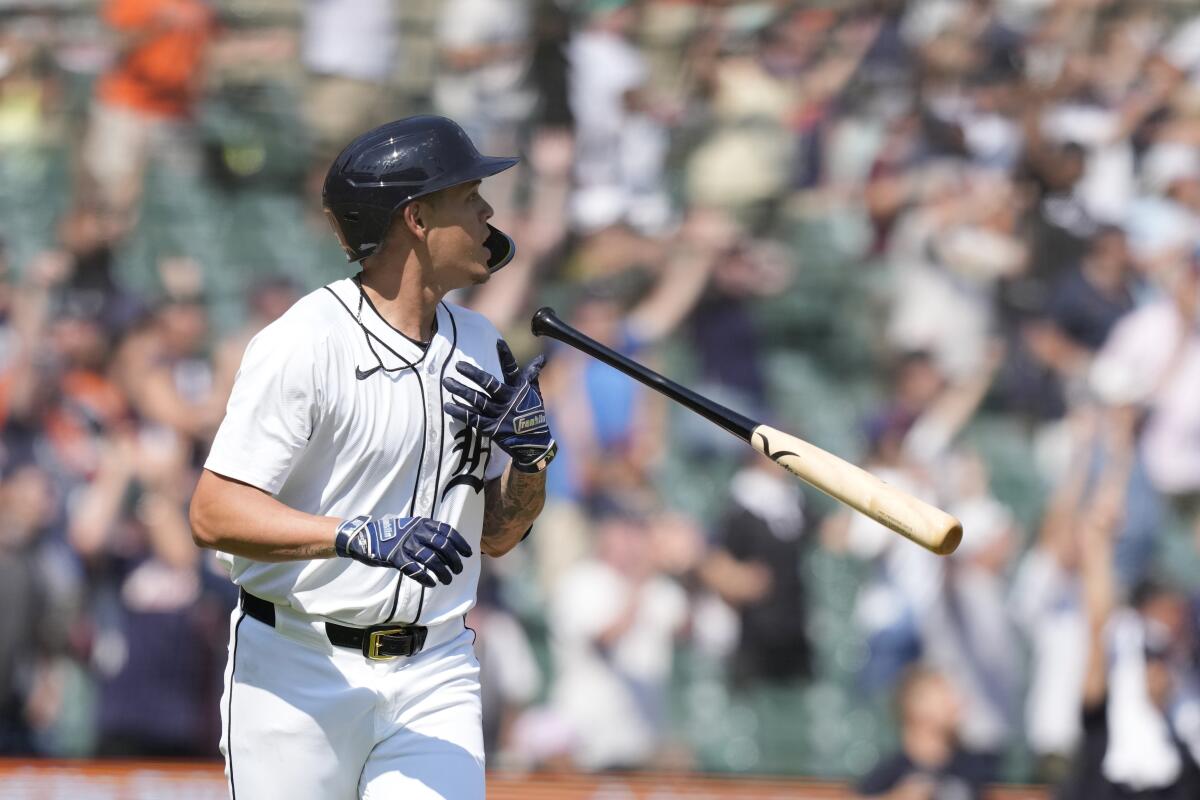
x=415 y=219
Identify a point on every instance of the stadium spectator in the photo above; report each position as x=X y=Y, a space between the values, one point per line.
x=145 y=103
x=1048 y=605
x=1052 y=346
x=349 y=54
x=483 y=76
x=1130 y=745
x=28 y=87
x=28 y=505
x=950 y=252
x=754 y=565
x=349 y=51
x=612 y=431
x=1150 y=365
x=620 y=142
x=170 y=377
x=967 y=633
x=912 y=444
x=723 y=331
x=1163 y=222
x=929 y=764
x=1089 y=300
x=614 y=620
x=132 y=531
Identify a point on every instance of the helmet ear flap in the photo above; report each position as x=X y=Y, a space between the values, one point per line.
x=501 y=248
x=340 y=231
x=360 y=229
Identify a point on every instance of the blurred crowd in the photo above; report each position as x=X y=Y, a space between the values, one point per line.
x=957 y=241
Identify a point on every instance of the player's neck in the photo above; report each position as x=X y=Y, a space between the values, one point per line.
x=402 y=296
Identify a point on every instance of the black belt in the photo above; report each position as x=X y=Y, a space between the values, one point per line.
x=377 y=643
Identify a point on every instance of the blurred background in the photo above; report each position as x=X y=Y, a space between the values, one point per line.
x=952 y=240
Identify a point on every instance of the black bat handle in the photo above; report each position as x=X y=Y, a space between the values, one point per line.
x=546 y=323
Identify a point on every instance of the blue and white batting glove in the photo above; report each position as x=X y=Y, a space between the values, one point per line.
x=416 y=546
x=511 y=411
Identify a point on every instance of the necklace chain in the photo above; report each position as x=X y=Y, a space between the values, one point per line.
x=367 y=334
x=361 y=296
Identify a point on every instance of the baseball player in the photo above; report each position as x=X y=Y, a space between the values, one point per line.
x=378 y=441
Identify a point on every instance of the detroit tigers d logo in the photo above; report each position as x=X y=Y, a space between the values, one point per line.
x=472 y=451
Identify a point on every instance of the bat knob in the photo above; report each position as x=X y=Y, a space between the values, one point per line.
x=543 y=321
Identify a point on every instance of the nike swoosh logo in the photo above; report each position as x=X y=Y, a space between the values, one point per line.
x=362 y=374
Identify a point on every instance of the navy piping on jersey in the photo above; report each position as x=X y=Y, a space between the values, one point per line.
x=412 y=503
x=229 y=712
x=437 y=475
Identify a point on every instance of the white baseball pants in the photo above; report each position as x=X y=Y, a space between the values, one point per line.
x=305 y=720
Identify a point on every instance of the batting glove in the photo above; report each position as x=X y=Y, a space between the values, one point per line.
x=511 y=411
x=416 y=546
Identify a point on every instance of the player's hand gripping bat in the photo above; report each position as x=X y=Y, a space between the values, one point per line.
x=914 y=519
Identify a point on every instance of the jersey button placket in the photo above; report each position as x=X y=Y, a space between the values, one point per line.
x=433 y=439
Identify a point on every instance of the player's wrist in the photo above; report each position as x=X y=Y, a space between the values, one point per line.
x=537 y=461
x=344 y=536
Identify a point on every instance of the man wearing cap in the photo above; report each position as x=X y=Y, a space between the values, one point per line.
x=377 y=441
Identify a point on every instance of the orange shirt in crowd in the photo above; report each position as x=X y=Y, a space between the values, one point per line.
x=158 y=71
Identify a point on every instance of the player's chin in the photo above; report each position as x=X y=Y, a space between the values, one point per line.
x=478 y=270
x=479 y=273
x=467 y=271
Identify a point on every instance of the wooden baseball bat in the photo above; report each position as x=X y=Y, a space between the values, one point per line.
x=914 y=519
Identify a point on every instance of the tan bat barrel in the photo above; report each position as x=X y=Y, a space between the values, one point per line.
x=913 y=519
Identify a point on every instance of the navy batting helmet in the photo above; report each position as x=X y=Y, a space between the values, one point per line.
x=386 y=168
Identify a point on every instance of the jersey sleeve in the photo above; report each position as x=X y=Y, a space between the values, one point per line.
x=271 y=412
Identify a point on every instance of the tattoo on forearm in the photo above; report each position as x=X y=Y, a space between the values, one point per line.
x=511 y=504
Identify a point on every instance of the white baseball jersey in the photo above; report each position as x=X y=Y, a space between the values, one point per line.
x=317 y=422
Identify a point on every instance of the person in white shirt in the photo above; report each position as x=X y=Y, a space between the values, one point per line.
x=1151 y=361
x=349 y=50
x=614 y=619
x=376 y=442
x=620 y=144
x=484 y=49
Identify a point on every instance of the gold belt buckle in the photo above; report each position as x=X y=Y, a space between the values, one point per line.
x=373 y=643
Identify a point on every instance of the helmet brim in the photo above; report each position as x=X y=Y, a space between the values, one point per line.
x=485 y=167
